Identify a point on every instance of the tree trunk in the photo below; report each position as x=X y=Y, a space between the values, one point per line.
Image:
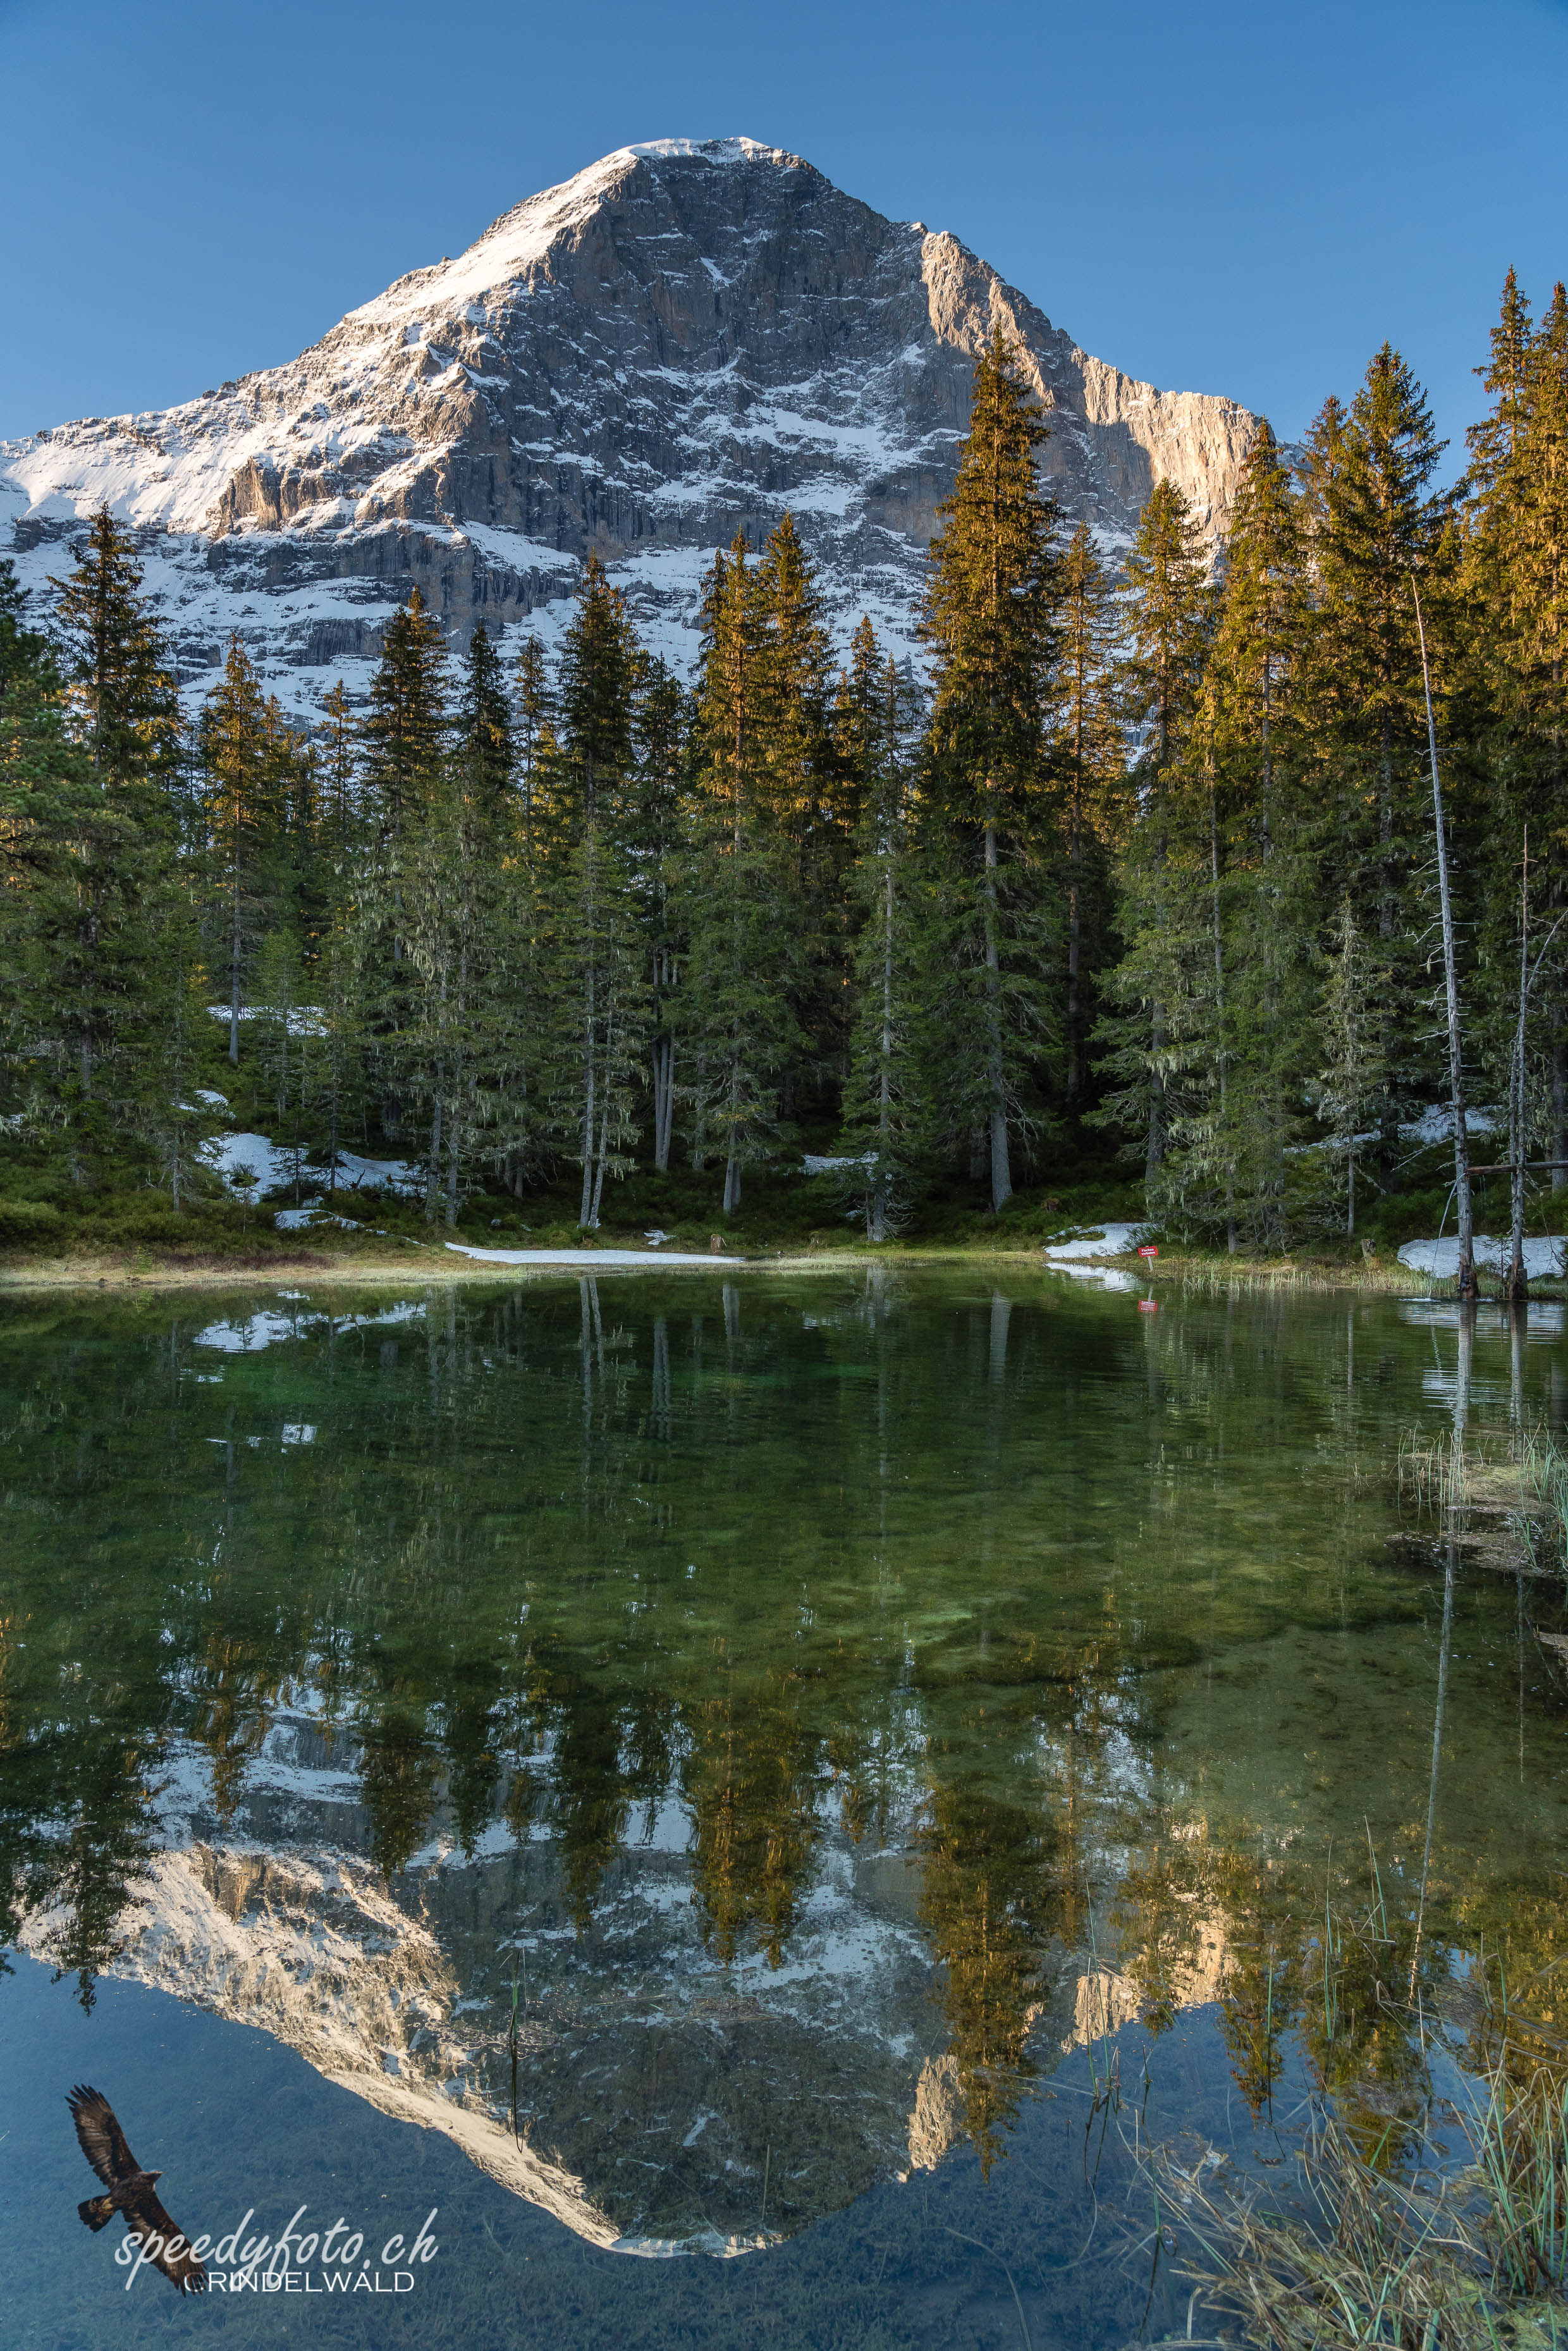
x=1002 y=1170
x=664 y=1059
x=1154 y=1156
x=1219 y=1021
x=876 y=1191
x=1516 y=1289
x=432 y=1181
x=1468 y=1287
x=585 y=1206
x=1074 y=924
x=1388 y=1116
x=603 y=1135
x=234 y=980
x=699 y=1123
x=453 y=1125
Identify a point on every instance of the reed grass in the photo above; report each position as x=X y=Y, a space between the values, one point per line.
x=1384 y=2235
x=1224 y=1276
x=1525 y=1481
x=1396 y=2246
x=1420 y=2262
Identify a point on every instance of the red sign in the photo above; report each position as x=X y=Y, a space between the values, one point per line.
x=1148 y=1248
x=1149 y=1305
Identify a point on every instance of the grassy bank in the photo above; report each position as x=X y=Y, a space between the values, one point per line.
x=51 y=1235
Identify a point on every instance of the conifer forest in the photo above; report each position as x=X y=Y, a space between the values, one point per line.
x=1138 y=873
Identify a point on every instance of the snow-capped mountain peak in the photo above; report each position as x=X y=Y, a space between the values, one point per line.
x=687 y=337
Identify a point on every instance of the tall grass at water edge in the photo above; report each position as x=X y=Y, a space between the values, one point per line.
x=1447 y=2231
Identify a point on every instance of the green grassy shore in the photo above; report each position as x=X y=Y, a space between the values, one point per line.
x=137 y=1238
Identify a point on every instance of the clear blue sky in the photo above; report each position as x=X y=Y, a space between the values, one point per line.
x=1239 y=199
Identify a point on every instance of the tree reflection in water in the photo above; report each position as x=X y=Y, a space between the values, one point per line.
x=1090 y=1624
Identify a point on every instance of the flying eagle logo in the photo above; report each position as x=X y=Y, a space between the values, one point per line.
x=133 y=2192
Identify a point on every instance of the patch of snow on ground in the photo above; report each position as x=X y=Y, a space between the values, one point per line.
x=272 y=1165
x=1436 y=1124
x=590 y=1260
x=241 y=1156
x=305 y=1020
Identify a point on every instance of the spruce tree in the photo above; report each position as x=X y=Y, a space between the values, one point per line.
x=992 y=623
x=239 y=779
x=1163 y=882
x=24 y=650
x=735 y=1015
x=600 y=988
x=1258 y=1043
x=95 y=923
x=799 y=787
x=404 y=742
x=121 y=683
x=1091 y=768
x=340 y=811
x=881 y=1136
x=485 y=722
x=534 y=738
x=1516 y=583
x=1347 y=1080
x=1375 y=525
x=404 y=736
x=454 y=1046
x=662 y=739
x=47 y=798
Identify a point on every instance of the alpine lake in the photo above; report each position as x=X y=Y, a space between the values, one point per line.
x=742 y=1802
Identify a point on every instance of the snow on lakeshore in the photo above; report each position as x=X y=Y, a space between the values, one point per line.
x=593 y=1260
x=1098 y=1240
x=1081 y=1256
x=1543 y=1254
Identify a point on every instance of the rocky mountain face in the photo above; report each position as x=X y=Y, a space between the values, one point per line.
x=687 y=337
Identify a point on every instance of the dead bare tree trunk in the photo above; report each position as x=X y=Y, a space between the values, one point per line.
x=1516 y=1289
x=1468 y=1286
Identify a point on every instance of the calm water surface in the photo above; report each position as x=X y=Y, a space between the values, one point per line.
x=688 y=1765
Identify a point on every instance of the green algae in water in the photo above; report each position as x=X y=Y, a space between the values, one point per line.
x=840 y=1705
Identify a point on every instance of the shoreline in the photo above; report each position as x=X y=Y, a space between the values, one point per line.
x=435 y=1263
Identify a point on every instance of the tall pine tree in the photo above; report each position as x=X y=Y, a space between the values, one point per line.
x=992 y=622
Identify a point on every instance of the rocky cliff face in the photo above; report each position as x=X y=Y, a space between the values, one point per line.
x=686 y=337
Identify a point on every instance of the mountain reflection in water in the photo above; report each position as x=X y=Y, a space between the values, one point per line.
x=708 y=1744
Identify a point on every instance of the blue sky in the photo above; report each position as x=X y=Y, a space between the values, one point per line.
x=1220 y=199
